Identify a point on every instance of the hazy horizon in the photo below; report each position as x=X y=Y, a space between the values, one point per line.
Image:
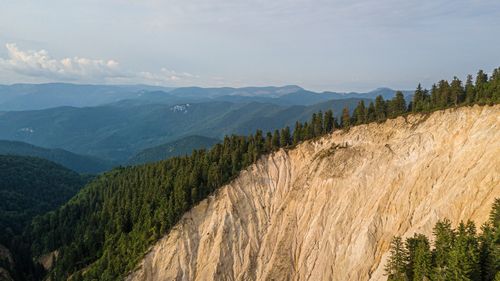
x=339 y=46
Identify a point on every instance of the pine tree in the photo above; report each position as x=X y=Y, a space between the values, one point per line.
x=444 y=94
x=306 y=132
x=345 y=119
x=457 y=91
x=470 y=93
x=259 y=141
x=489 y=245
x=297 y=133
x=419 y=258
x=444 y=237
x=269 y=141
x=312 y=125
x=418 y=99
x=494 y=86
x=318 y=124
x=329 y=126
x=285 y=137
x=464 y=255
x=434 y=97
x=398 y=104
x=371 y=113
x=359 y=114
x=481 y=80
x=276 y=139
x=396 y=265
x=380 y=109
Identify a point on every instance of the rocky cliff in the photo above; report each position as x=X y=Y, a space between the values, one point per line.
x=327 y=209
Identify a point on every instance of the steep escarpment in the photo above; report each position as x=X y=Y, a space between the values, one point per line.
x=328 y=209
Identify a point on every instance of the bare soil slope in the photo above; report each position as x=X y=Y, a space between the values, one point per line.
x=328 y=209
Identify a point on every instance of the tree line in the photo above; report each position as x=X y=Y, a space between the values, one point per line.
x=104 y=231
x=457 y=254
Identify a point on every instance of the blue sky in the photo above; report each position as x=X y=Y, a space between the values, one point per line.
x=334 y=45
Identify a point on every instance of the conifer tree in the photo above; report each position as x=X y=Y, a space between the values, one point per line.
x=345 y=119
x=285 y=137
x=444 y=237
x=398 y=104
x=457 y=91
x=380 y=109
x=494 y=86
x=269 y=141
x=396 y=265
x=371 y=113
x=419 y=258
x=359 y=114
x=434 y=96
x=470 y=93
x=297 y=133
x=463 y=256
x=306 y=132
x=444 y=94
x=329 y=126
x=312 y=125
x=418 y=99
x=276 y=139
x=481 y=80
x=318 y=124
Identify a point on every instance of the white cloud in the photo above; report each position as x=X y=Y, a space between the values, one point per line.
x=39 y=64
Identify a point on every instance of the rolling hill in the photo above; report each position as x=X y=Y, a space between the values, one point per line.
x=41 y=96
x=116 y=132
x=29 y=186
x=178 y=147
x=22 y=97
x=79 y=163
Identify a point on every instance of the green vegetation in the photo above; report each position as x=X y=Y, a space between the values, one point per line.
x=116 y=132
x=179 y=147
x=79 y=163
x=458 y=254
x=28 y=187
x=104 y=231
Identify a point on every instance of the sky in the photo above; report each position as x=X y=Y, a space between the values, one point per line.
x=335 y=45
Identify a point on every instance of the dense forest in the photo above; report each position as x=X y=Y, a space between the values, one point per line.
x=30 y=186
x=104 y=231
x=178 y=147
x=79 y=163
x=457 y=254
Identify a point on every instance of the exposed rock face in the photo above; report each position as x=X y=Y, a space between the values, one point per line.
x=328 y=209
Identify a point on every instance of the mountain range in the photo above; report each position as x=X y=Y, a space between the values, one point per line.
x=42 y=96
x=115 y=132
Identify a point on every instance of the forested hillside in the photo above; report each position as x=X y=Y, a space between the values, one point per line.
x=78 y=163
x=29 y=187
x=179 y=147
x=118 y=131
x=104 y=231
x=457 y=254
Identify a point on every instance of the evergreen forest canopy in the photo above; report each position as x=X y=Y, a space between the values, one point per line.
x=29 y=187
x=104 y=231
x=457 y=254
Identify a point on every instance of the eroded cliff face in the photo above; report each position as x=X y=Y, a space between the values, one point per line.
x=328 y=209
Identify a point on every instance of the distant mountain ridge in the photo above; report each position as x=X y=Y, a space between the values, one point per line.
x=116 y=132
x=21 y=97
x=79 y=163
x=41 y=96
